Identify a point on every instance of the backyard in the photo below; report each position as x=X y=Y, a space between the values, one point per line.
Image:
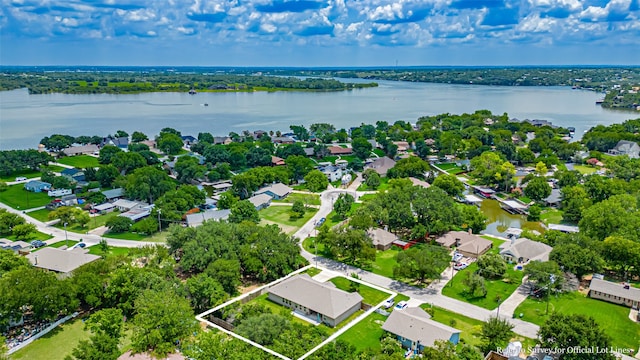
x=19 y=198
x=307 y=199
x=365 y=334
x=584 y=169
x=56 y=345
x=612 y=318
x=451 y=168
x=79 y=161
x=384 y=185
x=370 y=295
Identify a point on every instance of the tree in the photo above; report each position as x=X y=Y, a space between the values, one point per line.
x=618 y=215
x=98 y=347
x=107 y=174
x=371 y=179
x=227 y=273
x=162 y=319
x=57 y=142
x=525 y=156
x=70 y=215
x=24 y=231
x=119 y=224
x=10 y=261
x=496 y=333
x=8 y=221
x=545 y=275
x=300 y=132
x=622 y=254
x=576 y=259
x=107 y=154
x=441 y=350
x=227 y=199
x=258 y=157
x=491 y=266
x=126 y=162
x=147 y=183
x=538 y=189
x=206 y=137
x=3 y=186
x=534 y=213
x=205 y=292
x=574 y=331
x=244 y=210
x=188 y=169
x=361 y=147
x=450 y=184
x=487 y=168
x=316 y=181
x=169 y=143
x=574 y=201
x=145 y=226
x=137 y=136
x=409 y=167
x=342 y=205
x=541 y=169
x=297 y=210
x=264 y=329
x=421 y=263
x=474 y=282
x=473 y=218
x=299 y=166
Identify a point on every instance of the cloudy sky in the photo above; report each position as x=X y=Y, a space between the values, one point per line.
x=319 y=32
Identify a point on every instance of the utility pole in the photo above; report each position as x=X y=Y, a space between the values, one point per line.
x=66 y=238
x=159 y=223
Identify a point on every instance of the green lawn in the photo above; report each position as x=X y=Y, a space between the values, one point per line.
x=379 y=152
x=386 y=261
x=500 y=288
x=313 y=271
x=157 y=237
x=365 y=334
x=551 y=216
x=384 y=185
x=470 y=328
x=42 y=214
x=34 y=236
x=330 y=158
x=451 y=168
x=370 y=295
x=95 y=222
x=61 y=243
x=612 y=318
x=366 y=197
x=79 y=161
x=113 y=251
x=281 y=215
x=307 y=199
x=19 y=198
x=30 y=174
x=584 y=169
x=56 y=345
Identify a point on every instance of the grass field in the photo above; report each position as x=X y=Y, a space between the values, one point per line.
x=384 y=185
x=451 y=168
x=157 y=237
x=41 y=215
x=470 y=328
x=551 y=216
x=281 y=215
x=79 y=161
x=612 y=318
x=95 y=222
x=496 y=289
x=370 y=295
x=366 y=334
x=313 y=271
x=379 y=152
x=56 y=345
x=34 y=236
x=307 y=199
x=584 y=169
x=30 y=174
x=386 y=261
x=113 y=251
x=19 y=198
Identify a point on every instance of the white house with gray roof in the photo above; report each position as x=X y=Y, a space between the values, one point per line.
x=616 y=293
x=415 y=329
x=277 y=191
x=322 y=302
x=624 y=147
x=524 y=250
x=194 y=220
x=260 y=201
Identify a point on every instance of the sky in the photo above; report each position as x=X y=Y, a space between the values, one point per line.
x=319 y=32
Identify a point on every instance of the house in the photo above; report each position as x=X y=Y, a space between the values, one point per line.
x=622 y=294
x=333 y=173
x=415 y=330
x=466 y=243
x=484 y=192
x=73 y=174
x=524 y=250
x=137 y=213
x=258 y=134
x=403 y=146
x=104 y=208
x=381 y=165
x=69 y=200
x=382 y=239
x=342 y=164
x=59 y=192
x=339 y=150
x=61 y=260
x=260 y=201
x=563 y=228
x=37 y=186
x=555 y=199
x=121 y=142
x=19 y=247
x=189 y=140
x=283 y=140
x=321 y=302
x=221 y=187
x=90 y=149
x=126 y=205
x=150 y=143
x=113 y=194
x=277 y=161
x=194 y=220
x=222 y=140
x=624 y=147
x=595 y=162
x=418 y=182
x=277 y=191
x=309 y=151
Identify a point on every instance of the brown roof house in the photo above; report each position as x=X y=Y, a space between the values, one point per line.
x=622 y=294
x=415 y=329
x=320 y=302
x=466 y=243
x=382 y=165
x=277 y=161
x=382 y=239
x=339 y=150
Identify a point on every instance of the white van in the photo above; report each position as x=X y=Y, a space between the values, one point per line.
x=21 y=178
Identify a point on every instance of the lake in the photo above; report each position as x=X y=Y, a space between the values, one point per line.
x=25 y=119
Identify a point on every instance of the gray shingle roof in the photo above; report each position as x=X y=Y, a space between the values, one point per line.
x=113 y=193
x=198 y=218
x=278 y=189
x=611 y=288
x=527 y=249
x=259 y=200
x=415 y=324
x=381 y=237
x=323 y=298
x=63 y=261
x=382 y=165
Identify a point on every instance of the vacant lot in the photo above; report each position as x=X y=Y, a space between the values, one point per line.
x=281 y=215
x=307 y=199
x=612 y=318
x=19 y=198
x=113 y=251
x=80 y=161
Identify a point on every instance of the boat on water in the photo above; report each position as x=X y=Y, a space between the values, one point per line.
x=572 y=130
x=192 y=92
x=205 y=104
x=599 y=101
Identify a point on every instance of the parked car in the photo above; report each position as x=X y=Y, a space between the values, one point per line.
x=320 y=222
x=401 y=305
x=457 y=257
x=21 y=178
x=389 y=303
x=38 y=244
x=80 y=245
x=460 y=266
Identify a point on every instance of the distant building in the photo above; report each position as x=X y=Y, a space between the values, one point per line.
x=624 y=147
x=415 y=330
x=37 y=186
x=277 y=161
x=126 y=205
x=321 y=302
x=260 y=201
x=222 y=140
x=90 y=149
x=381 y=165
x=113 y=194
x=339 y=150
x=20 y=247
x=189 y=140
x=283 y=140
x=382 y=239
x=277 y=191
x=104 y=208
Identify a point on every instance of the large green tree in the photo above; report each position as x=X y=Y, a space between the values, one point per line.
x=244 y=211
x=316 y=181
x=421 y=263
x=495 y=334
x=574 y=331
x=538 y=188
x=147 y=184
x=450 y=184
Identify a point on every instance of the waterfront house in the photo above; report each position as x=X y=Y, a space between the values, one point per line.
x=90 y=149
x=277 y=191
x=222 y=140
x=189 y=140
x=37 y=186
x=283 y=140
x=624 y=147
x=523 y=250
x=415 y=330
x=564 y=228
x=466 y=243
x=554 y=199
x=320 y=302
x=622 y=294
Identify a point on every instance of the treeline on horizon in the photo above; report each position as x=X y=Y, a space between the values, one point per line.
x=96 y=82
